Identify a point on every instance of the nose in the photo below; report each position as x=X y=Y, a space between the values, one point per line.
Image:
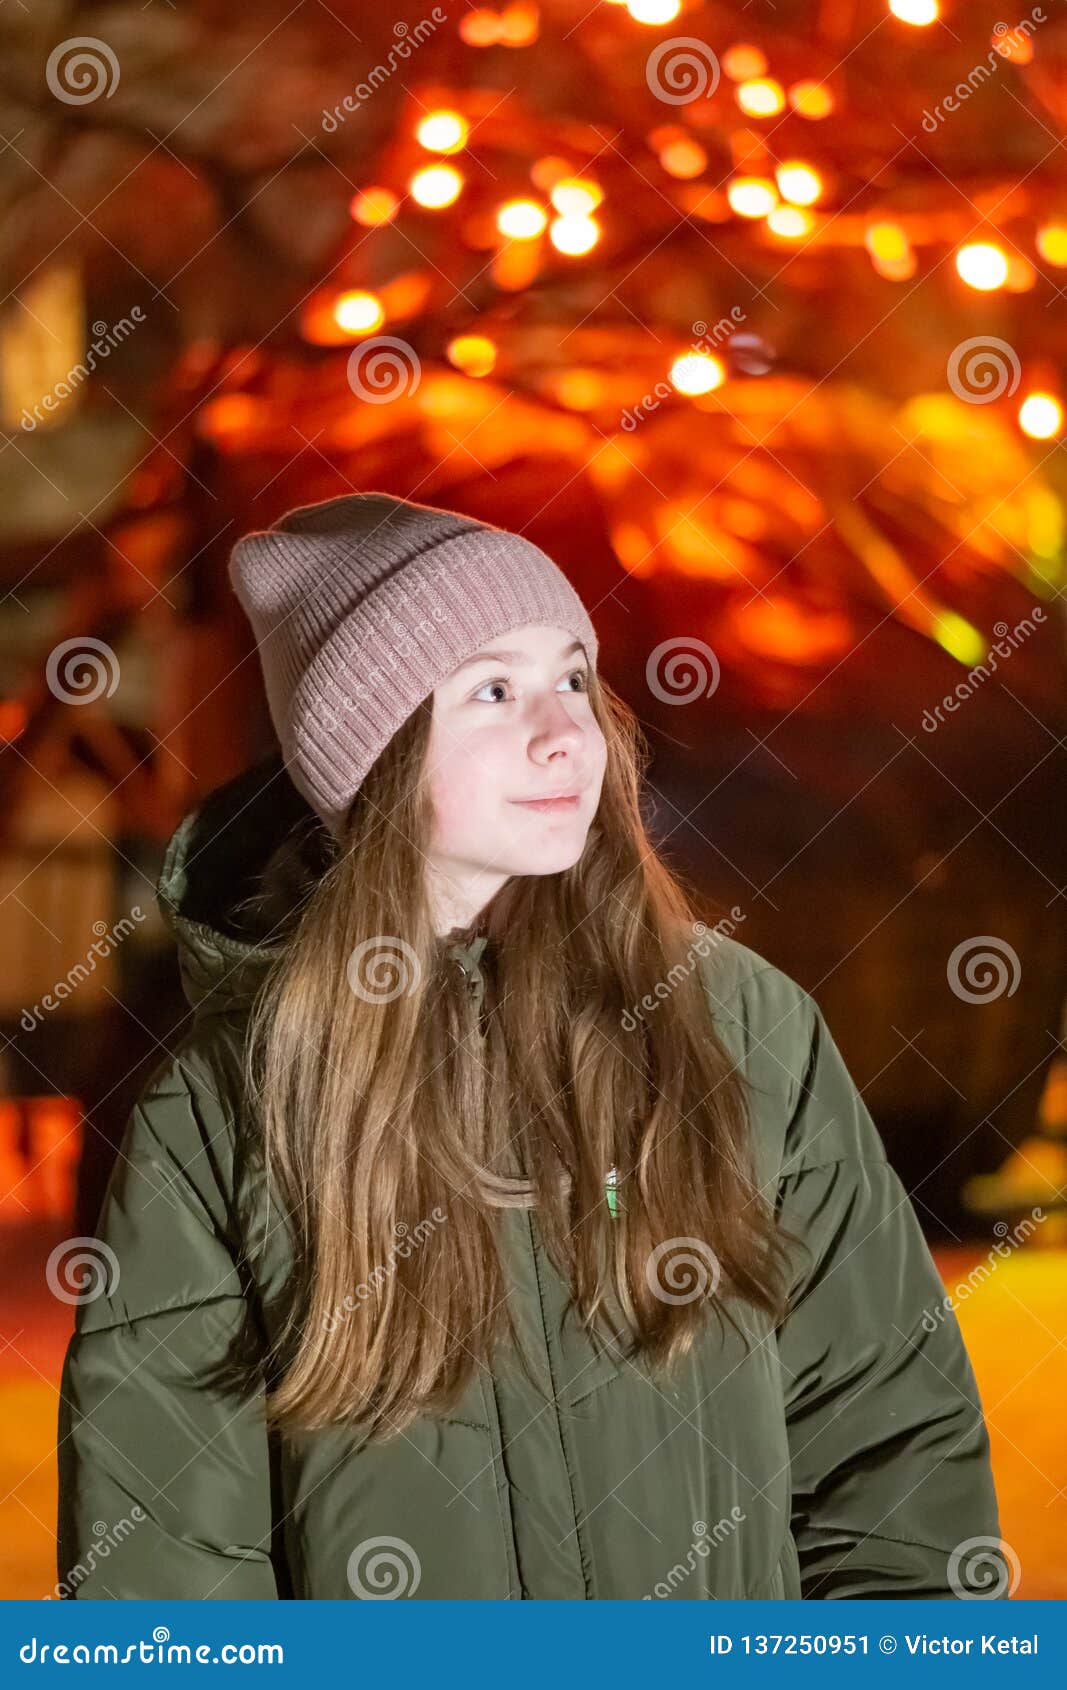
x=555 y=729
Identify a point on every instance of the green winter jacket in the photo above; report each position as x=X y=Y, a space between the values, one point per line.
x=844 y=1454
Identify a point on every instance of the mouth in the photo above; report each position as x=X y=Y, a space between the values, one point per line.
x=563 y=803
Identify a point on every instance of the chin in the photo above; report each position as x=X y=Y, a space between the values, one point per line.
x=552 y=860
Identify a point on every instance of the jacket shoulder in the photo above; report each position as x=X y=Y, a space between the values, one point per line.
x=174 y=1180
x=806 y=1109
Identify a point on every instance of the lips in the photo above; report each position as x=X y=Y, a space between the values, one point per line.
x=562 y=803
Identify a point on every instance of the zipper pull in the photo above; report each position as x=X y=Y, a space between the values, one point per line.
x=610 y=1182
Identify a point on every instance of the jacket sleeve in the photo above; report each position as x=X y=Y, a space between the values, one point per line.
x=164 y=1481
x=891 y=1484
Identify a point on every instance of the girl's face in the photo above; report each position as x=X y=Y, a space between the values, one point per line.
x=512 y=724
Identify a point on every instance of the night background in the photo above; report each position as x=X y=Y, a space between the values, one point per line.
x=755 y=319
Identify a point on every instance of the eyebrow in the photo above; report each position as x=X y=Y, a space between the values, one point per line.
x=512 y=657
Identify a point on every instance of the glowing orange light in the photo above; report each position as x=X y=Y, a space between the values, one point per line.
x=521 y=220
x=684 y=159
x=1041 y=416
x=697 y=372
x=373 y=207
x=762 y=98
x=751 y=196
x=798 y=182
x=358 y=313
x=1051 y=242
x=574 y=235
x=576 y=196
x=442 y=132
x=474 y=354
x=653 y=11
x=743 y=61
x=982 y=265
x=1014 y=45
x=811 y=99
x=436 y=186
x=790 y=222
x=917 y=12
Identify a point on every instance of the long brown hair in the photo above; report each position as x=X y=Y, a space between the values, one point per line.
x=388 y=1109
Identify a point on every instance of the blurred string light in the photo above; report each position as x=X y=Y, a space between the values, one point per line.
x=435 y=186
x=373 y=207
x=653 y=11
x=574 y=236
x=521 y=220
x=1051 y=243
x=751 y=196
x=958 y=637
x=811 y=99
x=784 y=201
x=1041 y=416
x=697 y=372
x=575 y=196
x=918 y=12
x=743 y=62
x=442 y=132
x=790 y=222
x=358 y=313
x=474 y=354
x=982 y=265
x=762 y=97
x=798 y=183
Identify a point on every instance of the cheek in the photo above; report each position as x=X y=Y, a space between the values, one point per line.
x=462 y=789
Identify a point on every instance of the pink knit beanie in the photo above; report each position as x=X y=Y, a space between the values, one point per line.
x=361 y=606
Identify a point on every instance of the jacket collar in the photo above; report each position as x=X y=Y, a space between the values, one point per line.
x=212 y=861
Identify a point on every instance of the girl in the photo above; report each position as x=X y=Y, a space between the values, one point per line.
x=496 y=1230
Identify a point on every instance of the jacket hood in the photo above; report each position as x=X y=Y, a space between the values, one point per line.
x=213 y=861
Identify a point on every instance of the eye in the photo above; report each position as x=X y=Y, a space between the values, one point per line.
x=501 y=681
